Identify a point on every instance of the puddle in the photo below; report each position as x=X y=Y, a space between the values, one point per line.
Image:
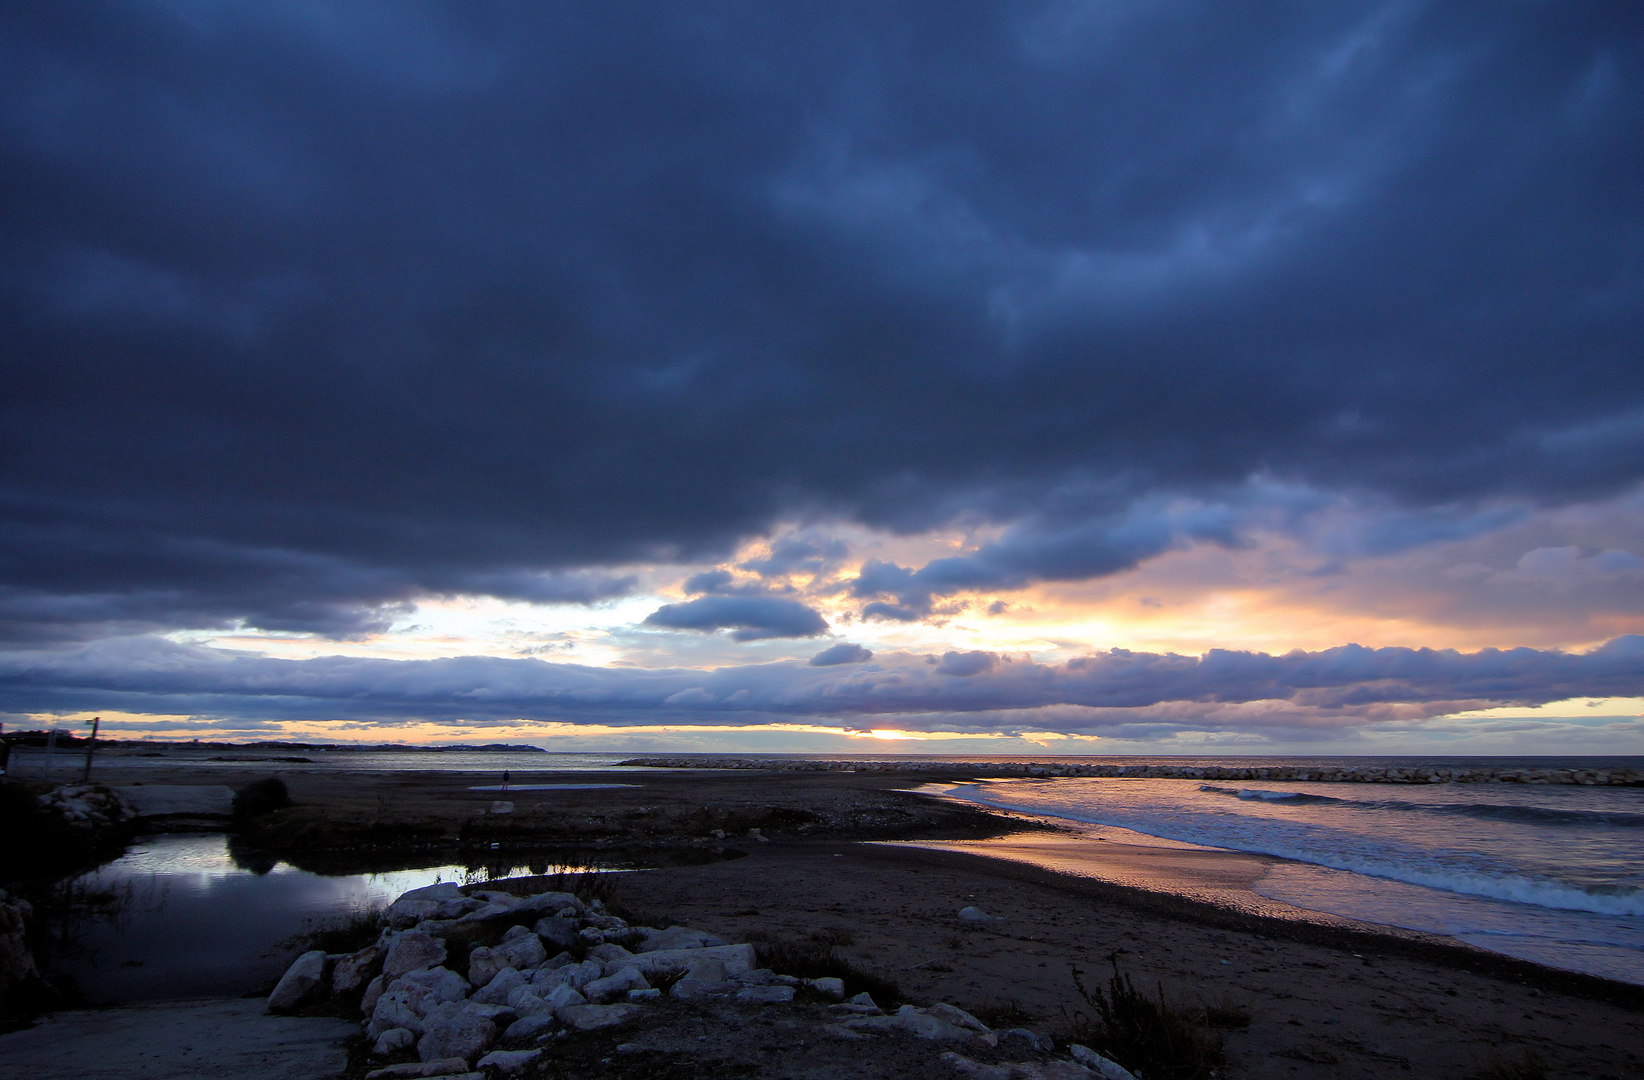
x=186 y=915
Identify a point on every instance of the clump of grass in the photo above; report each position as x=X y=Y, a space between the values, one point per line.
x=1002 y=1013
x=347 y=935
x=814 y=960
x=833 y=935
x=1227 y=1014
x=1529 y=1066
x=1150 y=1036
x=261 y=797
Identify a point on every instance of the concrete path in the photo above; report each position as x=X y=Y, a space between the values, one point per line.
x=177 y=1040
x=193 y=800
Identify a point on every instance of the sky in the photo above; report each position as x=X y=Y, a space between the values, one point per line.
x=1070 y=376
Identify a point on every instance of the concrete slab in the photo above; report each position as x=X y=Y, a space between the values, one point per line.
x=195 y=800
x=178 y=1040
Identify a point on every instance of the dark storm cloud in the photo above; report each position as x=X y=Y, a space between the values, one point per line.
x=846 y=652
x=1123 y=687
x=310 y=311
x=753 y=618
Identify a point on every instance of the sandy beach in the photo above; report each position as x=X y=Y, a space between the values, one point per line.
x=860 y=861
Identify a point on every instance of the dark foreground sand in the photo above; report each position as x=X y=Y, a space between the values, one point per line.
x=1326 y=996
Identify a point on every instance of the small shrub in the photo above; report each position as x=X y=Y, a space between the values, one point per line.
x=813 y=960
x=1227 y=1014
x=261 y=797
x=348 y=935
x=1150 y=1036
x=1529 y=1066
x=1002 y=1013
x=833 y=935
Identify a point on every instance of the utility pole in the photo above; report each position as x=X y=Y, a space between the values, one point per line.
x=91 y=748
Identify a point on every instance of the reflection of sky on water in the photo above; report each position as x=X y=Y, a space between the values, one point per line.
x=194 y=924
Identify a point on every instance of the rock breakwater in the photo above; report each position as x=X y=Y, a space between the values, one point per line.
x=1364 y=774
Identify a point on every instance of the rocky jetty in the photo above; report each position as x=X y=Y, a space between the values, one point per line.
x=475 y=981
x=1365 y=774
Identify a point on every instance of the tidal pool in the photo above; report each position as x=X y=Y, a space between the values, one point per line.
x=185 y=915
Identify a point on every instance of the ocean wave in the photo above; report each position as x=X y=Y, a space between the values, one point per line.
x=1323 y=846
x=1297 y=798
x=1534 y=815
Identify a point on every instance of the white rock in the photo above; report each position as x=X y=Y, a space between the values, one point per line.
x=486 y=911
x=355 y=969
x=496 y=896
x=500 y=1015
x=596 y=1017
x=526 y=1002
x=411 y=950
x=615 y=986
x=957 y=1017
x=562 y=998
x=515 y=931
x=441 y=1067
x=829 y=987
x=765 y=995
x=502 y=984
x=736 y=958
x=428 y=987
x=484 y=963
x=608 y=952
x=304 y=979
x=976 y=915
x=403 y=913
x=529 y=1027
x=509 y=1061
x=373 y=990
x=648 y=994
x=393 y=1041
x=591 y=935
x=451 y=1030
x=560 y=933
x=913 y=1022
x=1105 y=1067
x=523 y=952
x=1032 y=1039
x=678 y=937
x=975 y=1070
x=441 y=892
x=397 y=1008
x=552 y=902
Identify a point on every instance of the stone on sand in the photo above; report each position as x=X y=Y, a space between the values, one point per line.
x=451 y=1030
x=302 y=981
x=411 y=950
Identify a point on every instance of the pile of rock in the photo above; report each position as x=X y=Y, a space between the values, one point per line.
x=484 y=978
x=16 y=962
x=87 y=806
x=1365 y=774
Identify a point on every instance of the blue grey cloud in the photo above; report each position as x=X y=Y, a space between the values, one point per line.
x=845 y=652
x=752 y=618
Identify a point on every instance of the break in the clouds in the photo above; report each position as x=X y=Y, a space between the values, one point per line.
x=317 y=316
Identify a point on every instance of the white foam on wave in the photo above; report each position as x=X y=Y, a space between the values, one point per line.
x=1464 y=873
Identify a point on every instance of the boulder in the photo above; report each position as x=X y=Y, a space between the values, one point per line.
x=515 y=931
x=522 y=952
x=373 y=990
x=508 y=1062
x=650 y=993
x=573 y=975
x=765 y=995
x=356 y=969
x=975 y=1070
x=553 y=902
x=608 y=952
x=598 y=1017
x=829 y=988
x=1027 y=1040
x=976 y=915
x=617 y=985
x=428 y=987
x=396 y=1008
x=559 y=933
x=591 y=935
x=500 y=1015
x=303 y=981
x=487 y=912
x=1105 y=1067
x=484 y=963
x=393 y=1041
x=736 y=958
x=678 y=937
x=502 y=984
x=495 y=896
x=957 y=1017
x=525 y=1001
x=450 y=1030
x=914 y=1022
x=410 y=950
x=529 y=1027
x=563 y=997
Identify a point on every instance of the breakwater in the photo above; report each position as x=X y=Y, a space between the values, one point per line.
x=1366 y=774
